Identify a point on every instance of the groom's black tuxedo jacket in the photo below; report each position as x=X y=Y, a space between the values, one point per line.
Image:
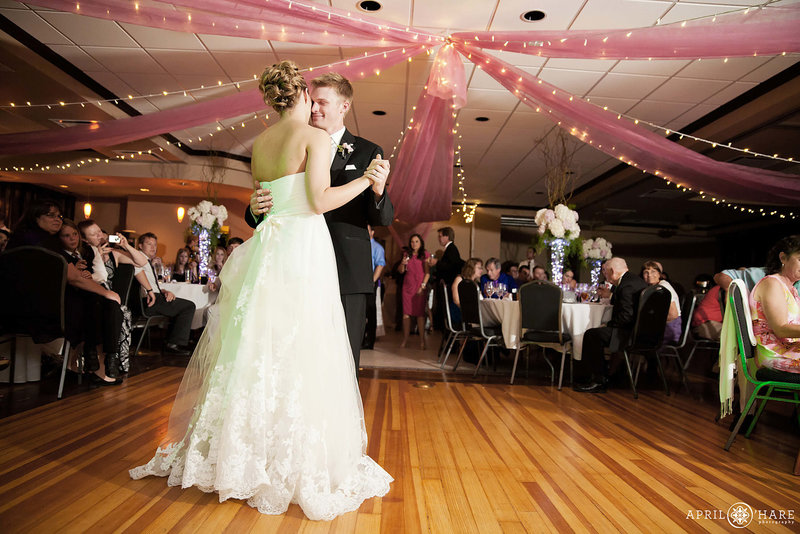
x=348 y=224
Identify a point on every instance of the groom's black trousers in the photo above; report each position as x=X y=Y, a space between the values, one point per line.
x=355 y=315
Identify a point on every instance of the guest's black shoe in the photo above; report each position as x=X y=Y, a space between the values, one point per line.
x=112 y=365
x=90 y=362
x=172 y=348
x=592 y=387
x=98 y=381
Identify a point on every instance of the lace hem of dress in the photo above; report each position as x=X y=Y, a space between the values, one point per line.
x=368 y=480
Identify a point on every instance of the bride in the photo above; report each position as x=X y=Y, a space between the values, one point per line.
x=269 y=408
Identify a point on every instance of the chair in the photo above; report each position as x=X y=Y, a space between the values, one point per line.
x=702 y=343
x=122 y=282
x=143 y=320
x=452 y=333
x=540 y=308
x=648 y=330
x=689 y=302
x=34 y=281
x=469 y=297
x=774 y=381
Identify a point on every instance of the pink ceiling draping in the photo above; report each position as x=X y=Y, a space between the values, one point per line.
x=767 y=31
x=114 y=132
x=273 y=20
x=637 y=146
x=422 y=178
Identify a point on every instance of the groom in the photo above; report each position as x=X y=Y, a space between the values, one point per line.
x=332 y=95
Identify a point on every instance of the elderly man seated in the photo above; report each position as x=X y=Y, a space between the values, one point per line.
x=495 y=274
x=615 y=334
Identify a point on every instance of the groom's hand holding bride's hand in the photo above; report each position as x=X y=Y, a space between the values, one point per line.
x=260 y=201
x=378 y=173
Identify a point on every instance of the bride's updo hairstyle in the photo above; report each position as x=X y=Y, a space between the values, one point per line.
x=282 y=85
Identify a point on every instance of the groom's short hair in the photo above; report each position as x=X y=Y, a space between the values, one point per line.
x=339 y=83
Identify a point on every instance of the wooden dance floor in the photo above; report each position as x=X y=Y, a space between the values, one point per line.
x=466 y=457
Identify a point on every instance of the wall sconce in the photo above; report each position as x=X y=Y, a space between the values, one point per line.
x=181 y=213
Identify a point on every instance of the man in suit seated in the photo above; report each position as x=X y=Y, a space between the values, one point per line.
x=163 y=302
x=613 y=335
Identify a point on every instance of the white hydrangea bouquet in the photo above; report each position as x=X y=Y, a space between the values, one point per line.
x=558 y=223
x=596 y=249
x=207 y=215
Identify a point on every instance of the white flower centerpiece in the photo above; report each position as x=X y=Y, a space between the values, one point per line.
x=559 y=229
x=207 y=219
x=596 y=251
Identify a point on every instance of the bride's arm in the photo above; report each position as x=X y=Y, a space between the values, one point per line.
x=322 y=195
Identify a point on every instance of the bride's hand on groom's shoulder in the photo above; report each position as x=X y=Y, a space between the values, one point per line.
x=260 y=202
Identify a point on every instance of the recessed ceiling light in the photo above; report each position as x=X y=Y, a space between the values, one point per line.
x=144 y=190
x=64 y=186
x=379 y=112
x=532 y=16
x=369 y=5
x=481 y=119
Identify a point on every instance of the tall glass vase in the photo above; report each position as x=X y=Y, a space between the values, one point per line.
x=595 y=271
x=558 y=249
x=204 y=245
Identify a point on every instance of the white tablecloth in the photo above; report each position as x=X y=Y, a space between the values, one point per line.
x=197 y=293
x=577 y=318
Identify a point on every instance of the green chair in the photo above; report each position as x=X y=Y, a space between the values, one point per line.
x=773 y=381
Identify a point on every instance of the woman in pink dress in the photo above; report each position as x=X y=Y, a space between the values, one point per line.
x=415 y=284
x=775 y=309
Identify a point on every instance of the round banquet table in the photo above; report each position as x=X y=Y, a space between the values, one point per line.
x=197 y=293
x=576 y=318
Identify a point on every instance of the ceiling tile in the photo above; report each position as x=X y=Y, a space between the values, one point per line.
x=518 y=60
x=626 y=85
x=598 y=65
x=306 y=61
x=452 y=14
x=124 y=60
x=243 y=65
x=729 y=93
x=558 y=15
x=658 y=112
x=152 y=83
x=113 y=83
x=661 y=67
x=89 y=31
x=287 y=50
x=396 y=11
x=36 y=26
x=378 y=93
x=500 y=99
x=614 y=14
x=158 y=38
x=774 y=66
x=575 y=82
x=194 y=62
x=78 y=57
x=620 y=105
x=687 y=90
x=466 y=116
x=719 y=69
x=233 y=44
x=697 y=112
x=481 y=80
x=688 y=11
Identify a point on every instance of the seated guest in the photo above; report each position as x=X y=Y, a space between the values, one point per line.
x=86 y=318
x=775 y=309
x=568 y=279
x=651 y=272
x=233 y=243
x=614 y=334
x=524 y=275
x=183 y=270
x=707 y=317
x=539 y=273
x=5 y=235
x=494 y=274
x=472 y=270
x=103 y=257
x=70 y=238
x=218 y=259
x=163 y=302
x=511 y=269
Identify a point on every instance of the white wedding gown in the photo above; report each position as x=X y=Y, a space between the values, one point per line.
x=269 y=408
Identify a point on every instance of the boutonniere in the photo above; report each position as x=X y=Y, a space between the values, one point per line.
x=345 y=149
